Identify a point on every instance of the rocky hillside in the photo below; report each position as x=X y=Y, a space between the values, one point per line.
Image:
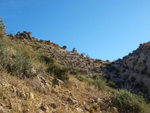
x=71 y=59
x=133 y=71
x=38 y=76
x=45 y=94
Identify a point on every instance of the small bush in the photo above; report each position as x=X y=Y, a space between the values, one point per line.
x=58 y=72
x=2 y=28
x=98 y=60
x=21 y=66
x=82 y=78
x=108 y=77
x=116 y=73
x=4 y=57
x=74 y=72
x=101 y=66
x=12 y=60
x=125 y=100
x=111 y=68
x=95 y=77
x=64 y=47
x=99 y=83
x=92 y=110
x=47 y=59
x=111 y=84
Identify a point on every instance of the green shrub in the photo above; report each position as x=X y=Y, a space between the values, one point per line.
x=74 y=72
x=125 y=100
x=5 y=52
x=116 y=73
x=98 y=83
x=82 y=78
x=111 y=68
x=2 y=28
x=12 y=60
x=22 y=66
x=59 y=72
x=47 y=59
x=108 y=77
x=98 y=60
x=111 y=84
x=64 y=47
x=96 y=77
x=4 y=57
x=101 y=66
x=95 y=107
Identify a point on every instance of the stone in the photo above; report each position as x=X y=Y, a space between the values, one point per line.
x=1 y=109
x=12 y=36
x=25 y=35
x=33 y=71
x=57 y=82
x=18 y=33
x=79 y=110
x=114 y=110
x=31 y=95
x=87 y=107
x=26 y=111
x=72 y=101
x=64 y=98
x=53 y=105
x=44 y=108
x=29 y=36
x=99 y=100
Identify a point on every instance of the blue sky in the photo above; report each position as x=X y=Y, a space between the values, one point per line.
x=103 y=29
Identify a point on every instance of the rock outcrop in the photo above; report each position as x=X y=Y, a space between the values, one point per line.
x=133 y=71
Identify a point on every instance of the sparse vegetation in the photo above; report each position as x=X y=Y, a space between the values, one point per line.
x=74 y=72
x=111 y=84
x=98 y=60
x=2 y=28
x=111 y=68
x=14 y=60
x=125 y=100
x=59 y=72
x=98 y=83
x=96 y=77
x=64 y=47
x=47 y=59
x=21 y=59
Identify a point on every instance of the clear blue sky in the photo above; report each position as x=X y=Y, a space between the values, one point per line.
x=104 y=29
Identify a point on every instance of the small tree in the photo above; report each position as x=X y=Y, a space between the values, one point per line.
x=2 y=28
x=64 y=47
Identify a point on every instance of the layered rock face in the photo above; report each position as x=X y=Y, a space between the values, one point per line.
x=133 y=71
